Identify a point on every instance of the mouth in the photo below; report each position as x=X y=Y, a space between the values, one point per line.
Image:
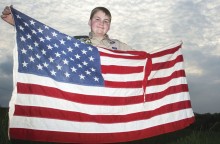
x=100 y=27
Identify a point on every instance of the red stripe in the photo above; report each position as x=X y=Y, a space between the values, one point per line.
x=130 y=84
x=170 y=90
x=74 y=97
x=167 y=64
x=96 y=100
x=135 y=57
x=163 y=80
x=70 y=137
x=120 y=54
x=42 y=112
x=121 y=69
x=166 y=52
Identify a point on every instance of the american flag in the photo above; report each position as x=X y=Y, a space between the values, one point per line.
x=71 y=92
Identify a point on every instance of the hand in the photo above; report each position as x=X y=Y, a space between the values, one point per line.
x=7 y=16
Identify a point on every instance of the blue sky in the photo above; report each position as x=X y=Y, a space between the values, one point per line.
x=142 y=24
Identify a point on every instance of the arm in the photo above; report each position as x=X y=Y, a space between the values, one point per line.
x=7 y=16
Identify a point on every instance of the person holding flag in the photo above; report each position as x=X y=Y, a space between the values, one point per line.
x=97 y=90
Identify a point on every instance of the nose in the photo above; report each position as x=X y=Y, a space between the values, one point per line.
x=101 y=23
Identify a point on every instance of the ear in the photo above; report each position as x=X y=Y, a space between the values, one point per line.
x=89 y=23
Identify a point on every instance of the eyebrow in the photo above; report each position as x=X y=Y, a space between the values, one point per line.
x=100 y=17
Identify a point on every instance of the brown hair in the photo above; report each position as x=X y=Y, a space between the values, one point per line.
x=103 y=9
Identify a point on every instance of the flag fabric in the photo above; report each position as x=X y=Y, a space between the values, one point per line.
x=70 y=92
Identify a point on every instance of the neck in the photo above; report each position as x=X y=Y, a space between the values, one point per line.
x=99 y=37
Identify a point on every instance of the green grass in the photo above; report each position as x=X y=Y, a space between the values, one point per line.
x=200 y=137
x=195 y=134
x=4 y=126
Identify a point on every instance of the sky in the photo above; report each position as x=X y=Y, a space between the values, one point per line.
x=144 y=25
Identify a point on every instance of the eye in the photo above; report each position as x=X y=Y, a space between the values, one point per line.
x=106 y=21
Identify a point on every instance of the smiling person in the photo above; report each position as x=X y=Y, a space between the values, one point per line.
x=99 y=22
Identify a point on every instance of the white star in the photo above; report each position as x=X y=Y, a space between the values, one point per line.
x=45 y=64
x=40 y=30
x=73 y=69
x=70 y=49
x=72 y=59
x=46 y=27
x=65 y=62
x=36 y=44
x=83 y=51
x=24 y=51
x=91 y=58
x=53 y=72
x=67 y=74
x=24 y=64
x=41 y=39
x=77 y=56
x=32 y=22
x=81 y=76
x=88 y=72
x=23 y=39
x=31 y=59
x=34 y=32
x=48 y=38
x=30 y=47
x=28 y=36
x=76 y=44
x=39 y=67
x=96 y=79
x=92 y=69
x=43 y=52
x=38 y=56
x=85 y=63
x=62 y=42
x=79 y=65
x=57 y=54
x=54 y=34
x=26 y=24
x=59 y=67
x=51 y=59
x=90 y=48
x=55 y=45
x=49 y=47
x=21 y=28
x=18 y=16
x=68 y=37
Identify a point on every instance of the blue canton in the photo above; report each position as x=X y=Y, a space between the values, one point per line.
x=47 y=52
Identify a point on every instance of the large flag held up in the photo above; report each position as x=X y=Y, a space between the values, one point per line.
x=71 y=92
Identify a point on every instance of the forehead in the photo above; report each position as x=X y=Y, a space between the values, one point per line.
x=101 y=14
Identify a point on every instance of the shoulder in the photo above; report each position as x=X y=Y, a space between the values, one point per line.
x=80 y=37
x=83 y=38
x=121 y=45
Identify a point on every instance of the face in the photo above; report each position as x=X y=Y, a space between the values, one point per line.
x=100 y=24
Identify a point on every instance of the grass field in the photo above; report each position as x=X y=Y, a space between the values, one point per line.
x=206 y=130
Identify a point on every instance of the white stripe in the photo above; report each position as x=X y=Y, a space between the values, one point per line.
x=124 y=77
x=91 y=127
x=15 y=69
x=160 y=88
x=170 y=46
x=55 y=103
x=113 y=52
x=80 y=89
x=166 y=72
x=167 y=57
x=122 y=62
